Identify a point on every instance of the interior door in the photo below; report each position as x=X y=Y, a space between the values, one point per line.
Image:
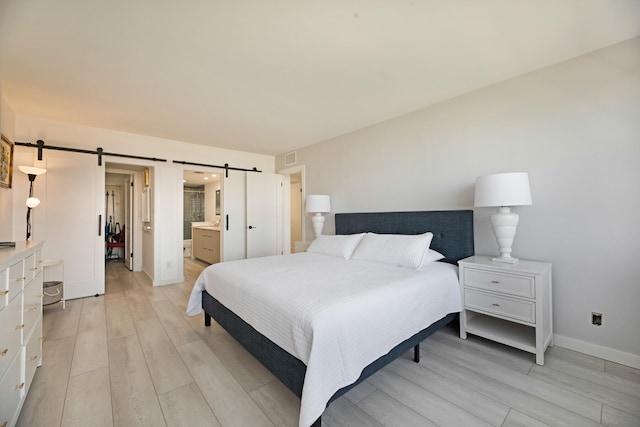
x=263 y=200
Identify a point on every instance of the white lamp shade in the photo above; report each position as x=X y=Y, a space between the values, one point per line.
x=503 y=189
x=32 y=170
x=33 y=202
x=318 y=203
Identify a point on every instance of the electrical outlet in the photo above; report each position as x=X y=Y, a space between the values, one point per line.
x=596 y=319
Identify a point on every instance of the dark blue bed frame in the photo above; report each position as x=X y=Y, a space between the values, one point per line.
x=452 y=236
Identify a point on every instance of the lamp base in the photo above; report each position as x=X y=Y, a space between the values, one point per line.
x=318 y=223
x=504 y=224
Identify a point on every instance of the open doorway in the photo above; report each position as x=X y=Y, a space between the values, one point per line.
x=119 y=217
x=201 y=215
x=296 y=207
x=123 y=213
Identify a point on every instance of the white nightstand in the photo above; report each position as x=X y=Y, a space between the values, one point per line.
x=507 y=303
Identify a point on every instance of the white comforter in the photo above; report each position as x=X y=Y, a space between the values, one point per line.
x=335 y=315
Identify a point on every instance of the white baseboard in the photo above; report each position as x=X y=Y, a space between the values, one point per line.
x=611 y=354
x=167 y=281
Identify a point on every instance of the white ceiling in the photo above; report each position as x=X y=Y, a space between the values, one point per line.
x=269 y=77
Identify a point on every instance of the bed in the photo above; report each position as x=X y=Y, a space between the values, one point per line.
x=451 y=235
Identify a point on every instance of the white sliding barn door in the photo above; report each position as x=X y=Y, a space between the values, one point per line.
x=234 y=214
x=262 y=214
x=251 y=223
x=74 y=220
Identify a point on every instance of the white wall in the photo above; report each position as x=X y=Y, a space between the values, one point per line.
x=7 y=119
x=53 y=132
x=167 y=209
x=575 y=128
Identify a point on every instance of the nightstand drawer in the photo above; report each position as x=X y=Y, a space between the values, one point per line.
x=489 y=303
x=509 y=284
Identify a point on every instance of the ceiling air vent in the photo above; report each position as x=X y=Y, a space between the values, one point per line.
x=290 y=158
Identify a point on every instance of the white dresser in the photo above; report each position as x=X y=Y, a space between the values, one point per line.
x=20 y=325
x=507 y=303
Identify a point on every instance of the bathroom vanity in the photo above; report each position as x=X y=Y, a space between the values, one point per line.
x=206 y=243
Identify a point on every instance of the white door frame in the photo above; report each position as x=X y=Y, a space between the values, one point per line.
x=287 y=202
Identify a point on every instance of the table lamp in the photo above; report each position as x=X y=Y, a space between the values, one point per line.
x=503 y=190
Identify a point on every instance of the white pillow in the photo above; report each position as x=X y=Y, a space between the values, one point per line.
x=430 y=256
x=339 y=246
x=394 y=249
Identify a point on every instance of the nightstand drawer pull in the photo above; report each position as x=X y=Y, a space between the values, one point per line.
x=4 y=352
x=495 y=305
x=495 y=281
x=3 y=293
x=20 y=386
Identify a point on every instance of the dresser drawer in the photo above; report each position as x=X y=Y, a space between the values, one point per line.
x=503 y=306
x=10 y=333
x=30 y=268
x=39 y=262
x=11 y=390
x=34 y=353
x=4 y=288
x=16 y=279
x=504 y=283
x=32 y=305
x=33 y=265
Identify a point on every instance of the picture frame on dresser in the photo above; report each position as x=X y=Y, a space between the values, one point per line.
x=6 y=162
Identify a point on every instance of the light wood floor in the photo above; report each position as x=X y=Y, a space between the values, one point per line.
x=132 y=358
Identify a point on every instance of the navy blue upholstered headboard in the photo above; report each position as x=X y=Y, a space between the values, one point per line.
x=452 y=230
